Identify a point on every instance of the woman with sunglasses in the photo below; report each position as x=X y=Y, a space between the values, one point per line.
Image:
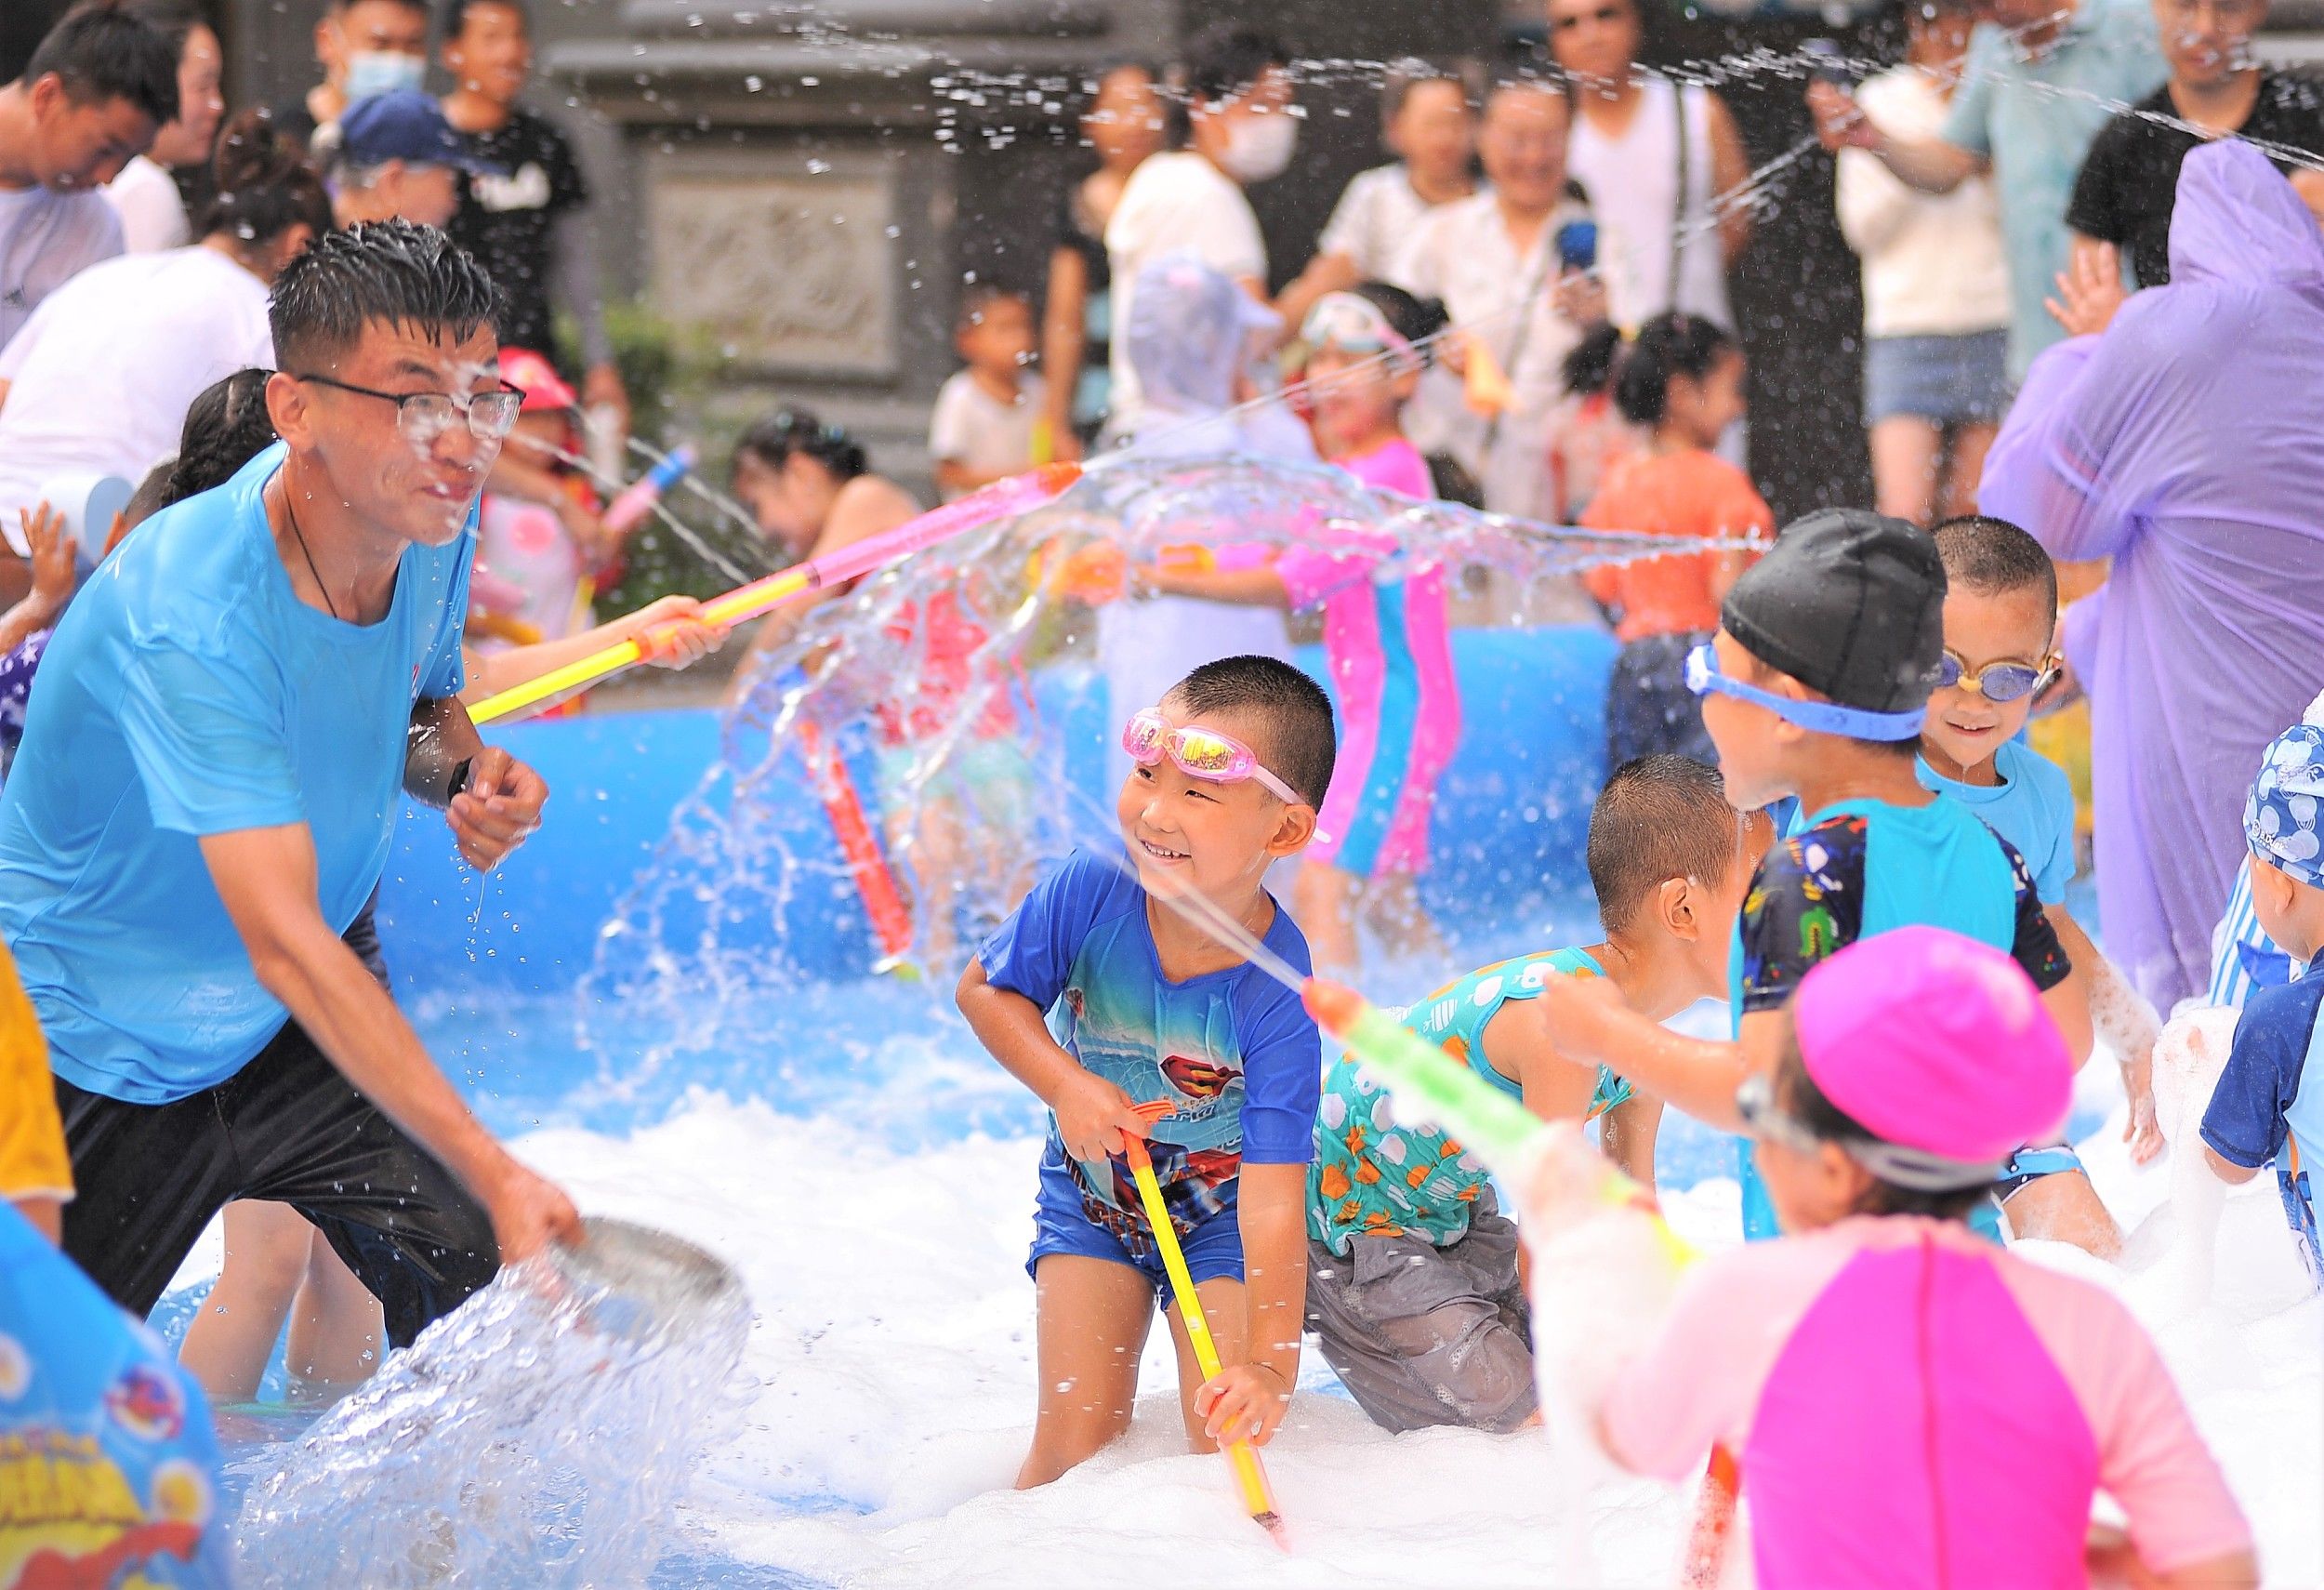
x=1908 y=1405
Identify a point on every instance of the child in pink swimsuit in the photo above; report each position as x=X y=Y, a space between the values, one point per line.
x=1386 y=634
x=1910 y=1406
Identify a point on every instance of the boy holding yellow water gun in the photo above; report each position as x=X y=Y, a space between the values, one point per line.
x=1102 y=999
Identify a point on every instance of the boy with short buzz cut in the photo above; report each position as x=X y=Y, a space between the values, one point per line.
x=2001 y=618
x=1416 y=1284
x=1817 y=685
x=2269 y=1100
x=1111 y=1006
x=985 y=425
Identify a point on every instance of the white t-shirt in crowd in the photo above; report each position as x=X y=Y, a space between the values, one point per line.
x=1669 y=256
x=46 y=238
x=1374 y=220
x=153 y=212
x=100 y=377
x=1174 y=203
x=1932 y=262
x=973 y=428
x=1506 y=298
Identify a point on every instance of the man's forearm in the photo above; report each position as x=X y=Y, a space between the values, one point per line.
x=351 y=1019
x=443 y=743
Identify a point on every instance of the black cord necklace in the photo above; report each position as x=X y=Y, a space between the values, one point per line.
x=291 y=513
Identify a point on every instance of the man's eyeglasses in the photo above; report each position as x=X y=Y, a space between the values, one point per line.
x=425 y=416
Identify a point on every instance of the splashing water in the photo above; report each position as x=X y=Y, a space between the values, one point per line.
x=537 y=1436
x=968 y=651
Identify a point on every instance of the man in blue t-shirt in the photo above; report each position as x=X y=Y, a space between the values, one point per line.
x=211 y=778
x=2269 y=1101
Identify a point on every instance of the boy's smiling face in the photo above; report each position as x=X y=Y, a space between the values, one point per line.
x=1982 y=627
x=1218 y=840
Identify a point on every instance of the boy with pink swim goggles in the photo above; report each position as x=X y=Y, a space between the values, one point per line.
x=1910 y=1406
x=1198 y=753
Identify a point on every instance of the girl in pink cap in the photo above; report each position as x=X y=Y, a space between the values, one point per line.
x=1910 y=1406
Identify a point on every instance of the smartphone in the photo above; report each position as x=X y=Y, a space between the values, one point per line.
x=1577 y=245
x=1828 y=63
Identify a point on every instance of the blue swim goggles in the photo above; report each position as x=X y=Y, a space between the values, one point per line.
x=1821 y=717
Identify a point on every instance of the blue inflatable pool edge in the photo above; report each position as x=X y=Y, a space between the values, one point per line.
x=1511 y=817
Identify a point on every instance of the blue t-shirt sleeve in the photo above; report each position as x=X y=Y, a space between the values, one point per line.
x=1967 y=124
x=2049 y=854
x=210 y=740
x=1283 y=1075
x=1032 y=953
x=444 y=673
x=2244 y=1124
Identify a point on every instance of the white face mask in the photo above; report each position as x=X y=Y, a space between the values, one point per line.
x=1259 y=147
x=373 y=72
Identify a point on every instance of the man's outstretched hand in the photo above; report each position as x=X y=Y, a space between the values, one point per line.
x=497 y=809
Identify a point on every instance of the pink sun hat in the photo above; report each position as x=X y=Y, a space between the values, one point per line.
x=1935 y=1042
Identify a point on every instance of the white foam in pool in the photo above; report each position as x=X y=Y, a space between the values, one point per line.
x=894 y=1345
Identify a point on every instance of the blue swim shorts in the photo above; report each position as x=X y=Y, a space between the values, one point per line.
x=1062 y=1224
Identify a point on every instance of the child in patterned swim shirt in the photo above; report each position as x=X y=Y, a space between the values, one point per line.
x=1416 y=1289
x=1102 y=999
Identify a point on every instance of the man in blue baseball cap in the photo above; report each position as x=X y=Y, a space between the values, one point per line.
x=394 y=157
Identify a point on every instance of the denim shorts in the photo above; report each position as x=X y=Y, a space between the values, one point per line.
x=1947 y=380
x=1062 y=1224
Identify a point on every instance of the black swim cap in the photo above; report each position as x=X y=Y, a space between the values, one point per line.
x=1849 y=602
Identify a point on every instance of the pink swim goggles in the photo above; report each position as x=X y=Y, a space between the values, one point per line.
x=1198 y=753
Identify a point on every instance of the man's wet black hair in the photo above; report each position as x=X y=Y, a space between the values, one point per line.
x=1798 y=1096
x=772 y=442
x=226 y=425
x=106 y=51
x=1302 y=744
x=1993 y=557
x=1659 y=817
x=390 y=273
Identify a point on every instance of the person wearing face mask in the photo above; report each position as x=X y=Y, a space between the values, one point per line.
x=1505 y=262
x=99 y=88
x=394 y=157
x=364 y=47
x=1242 y=128
x=145 y=195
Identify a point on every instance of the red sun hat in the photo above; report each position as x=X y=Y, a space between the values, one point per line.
x=538 y=379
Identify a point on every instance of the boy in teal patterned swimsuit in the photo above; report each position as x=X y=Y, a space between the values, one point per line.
x=1102 y=1000
x=1415 y=1289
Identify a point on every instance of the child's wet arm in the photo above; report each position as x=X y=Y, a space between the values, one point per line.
x=2118 y=1012
x=1012 y=1028
x=1271 y=1212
